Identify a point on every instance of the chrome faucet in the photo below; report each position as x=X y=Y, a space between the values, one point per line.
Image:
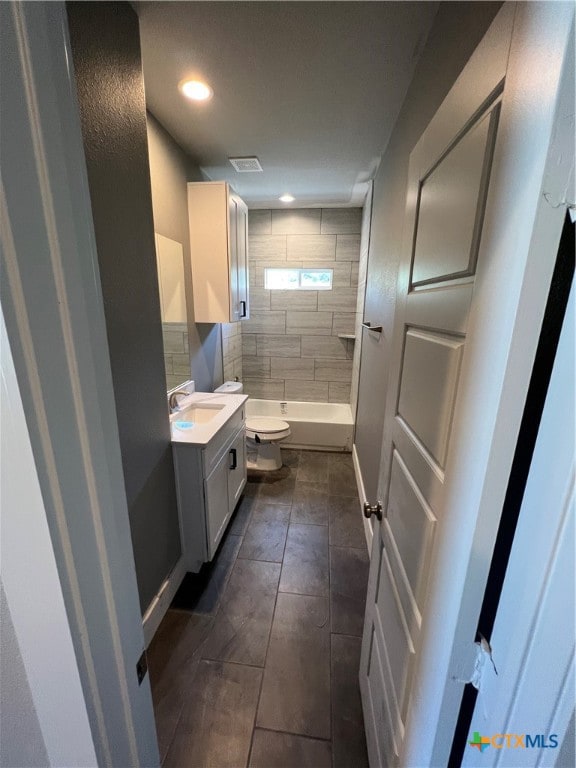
x=173 y=399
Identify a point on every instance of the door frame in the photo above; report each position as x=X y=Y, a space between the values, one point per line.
x=54 y=314
x=559 y=314
x=530 y=182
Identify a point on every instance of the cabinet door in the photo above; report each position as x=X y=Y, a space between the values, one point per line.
x=217 y=504
x=233 y=258
x=237 y=469
x=242 y=249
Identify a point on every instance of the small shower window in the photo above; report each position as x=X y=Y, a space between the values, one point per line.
x=298 y=279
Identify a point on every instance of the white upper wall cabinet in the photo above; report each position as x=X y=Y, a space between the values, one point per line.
x=219 y=252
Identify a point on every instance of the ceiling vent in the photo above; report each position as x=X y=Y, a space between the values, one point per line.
x=246 y=164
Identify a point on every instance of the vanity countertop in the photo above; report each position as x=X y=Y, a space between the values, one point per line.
x=202 y=433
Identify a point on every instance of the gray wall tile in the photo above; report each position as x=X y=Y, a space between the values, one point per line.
x=307 y=391
x=294 y=300
x=174 y=341
x=269 y=247
x=232 y=347
x=337 y=300
x=341 y=221
x=256 y=367
x=341 y=276
x=279 y=346
x=354 y=274
x=248 y=344
x=267 y=389
x=311 y=248
x=323 y=346
x=338 y=392
x=348 y=248
x=292 y=367
x=260 y=300
x=265 y=322
x=259 y=222
x=319 y=323
x=299 y=221
x=238 y=369
x=333 y=370
x=343 y=322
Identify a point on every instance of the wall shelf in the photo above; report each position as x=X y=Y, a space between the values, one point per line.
x=347 y=336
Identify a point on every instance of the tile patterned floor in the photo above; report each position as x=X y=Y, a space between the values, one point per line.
x=256 y=662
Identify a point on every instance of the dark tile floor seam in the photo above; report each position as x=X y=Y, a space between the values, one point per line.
x=302 y=594
x=292 y=733
x=265 y=659
x=345 y=634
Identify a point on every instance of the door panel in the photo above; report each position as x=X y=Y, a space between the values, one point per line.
x=217 y=509
x=242 y=247
x=233 y=258
x=237 y=470
x=447 y=187
x=428 y=386
x=449 y=210
x=397 y=640
x=380 y=742
x=443 y=306
x=411 y=524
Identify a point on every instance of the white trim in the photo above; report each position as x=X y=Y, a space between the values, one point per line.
x=161 y=602
x=39 y=615
x=362 y=494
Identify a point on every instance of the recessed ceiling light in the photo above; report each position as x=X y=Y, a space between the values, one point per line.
x=287 y=199
x=196 y=90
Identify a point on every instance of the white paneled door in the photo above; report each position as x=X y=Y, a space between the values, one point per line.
x=448 y=186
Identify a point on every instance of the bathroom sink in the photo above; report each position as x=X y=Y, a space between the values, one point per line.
x=197 y=413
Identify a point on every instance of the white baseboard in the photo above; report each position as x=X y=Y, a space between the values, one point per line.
x=363 y=499
x=160 y=604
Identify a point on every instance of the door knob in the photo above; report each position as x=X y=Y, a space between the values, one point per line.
x=373 y=509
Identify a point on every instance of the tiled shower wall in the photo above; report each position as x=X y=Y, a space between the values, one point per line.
x=232 y=351
x=290 y=345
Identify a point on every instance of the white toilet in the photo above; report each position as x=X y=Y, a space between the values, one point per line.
x=263 y=434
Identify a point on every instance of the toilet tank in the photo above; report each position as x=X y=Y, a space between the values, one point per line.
x=231 y=388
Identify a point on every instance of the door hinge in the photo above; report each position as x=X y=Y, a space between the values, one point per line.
x=373 y=509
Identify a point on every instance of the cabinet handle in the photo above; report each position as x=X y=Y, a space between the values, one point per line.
x=243 y=307
x=234 y=458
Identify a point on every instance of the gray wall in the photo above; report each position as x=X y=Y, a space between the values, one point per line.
x=290 y=344
x=457 y=30
x=21 y=740
x=106 y=55
x=170 y=169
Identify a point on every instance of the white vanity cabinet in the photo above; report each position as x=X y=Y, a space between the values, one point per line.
x=209 y=481
x=218 y=221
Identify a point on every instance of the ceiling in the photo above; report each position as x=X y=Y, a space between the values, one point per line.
x=311 y=88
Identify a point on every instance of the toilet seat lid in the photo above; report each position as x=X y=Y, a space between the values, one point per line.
x=266 y=425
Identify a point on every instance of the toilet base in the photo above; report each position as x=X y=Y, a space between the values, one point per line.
x=265 y=456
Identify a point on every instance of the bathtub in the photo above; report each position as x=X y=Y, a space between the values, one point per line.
x=314 y=426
